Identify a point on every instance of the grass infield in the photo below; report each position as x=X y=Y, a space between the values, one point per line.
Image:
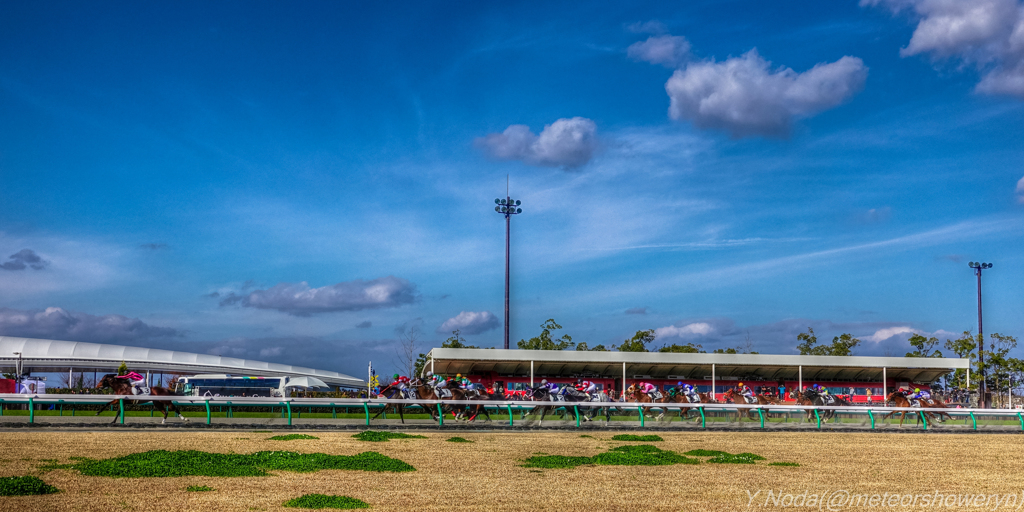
x=325 y=501
x=636 y=455
x=24 y=486
x=458 y=440
x=199 y=488
x=162 y=463
x=632 y=437
x=291 y=437
x=377 y=436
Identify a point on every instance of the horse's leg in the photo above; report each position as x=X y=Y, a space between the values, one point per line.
x=112 y=402
x=176 y=411
x=400 y=414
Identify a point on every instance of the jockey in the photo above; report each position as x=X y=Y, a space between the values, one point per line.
x=586 y=386
x=135 y=380
x=401 y=382
x=551 y=387
x=920 y=394
x=746 y=392
x=690 y=393
x=647 y=387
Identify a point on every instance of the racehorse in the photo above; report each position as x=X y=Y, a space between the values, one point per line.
x=732 y=394
x=643 y=398
x=680 y=398
x=123 y=387
x=543 y=394
x=817 y=399
x=389 y=392
x=899 y=399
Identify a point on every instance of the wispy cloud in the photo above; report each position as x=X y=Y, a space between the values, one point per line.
x=300 y=299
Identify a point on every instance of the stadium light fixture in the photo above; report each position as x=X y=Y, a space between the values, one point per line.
x=982 y=394
x=507 y=207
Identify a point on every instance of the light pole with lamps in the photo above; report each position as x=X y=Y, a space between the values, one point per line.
x=507 y=207
x=982 y=395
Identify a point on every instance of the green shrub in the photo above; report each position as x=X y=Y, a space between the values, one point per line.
x=326 y=501
x=739 y=458
x=783 y=464
x=556 y=461
x=162 y=463
x=199 y=488
x=632 y=437
x=291 y=437
x=24 y=486
x=458 y=440
x=707 y=453
x=638 y=455
x=377 y=436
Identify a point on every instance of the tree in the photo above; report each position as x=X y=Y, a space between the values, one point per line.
x=963 y=347
x=842 y=345
x=724 y=351
x=406 y=354
x=638 y=343
x=999 y=362
x=544 y=340
x=454 y=341
x=582 y=346
x=923 y=347
x=689 y=348
x=123 y=369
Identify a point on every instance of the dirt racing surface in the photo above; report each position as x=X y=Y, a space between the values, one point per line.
x=487 y=474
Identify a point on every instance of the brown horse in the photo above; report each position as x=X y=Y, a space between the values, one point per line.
x=899 y=399
x=802 y=400
x=643 y=398
x=123 y=387
x=731 y=396
x=680 y=398
x=391 y=391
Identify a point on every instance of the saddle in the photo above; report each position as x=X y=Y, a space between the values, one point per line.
x=693 y=399
x=140 y=391
x=445 y=393
x=656 y=395
x=829 y=399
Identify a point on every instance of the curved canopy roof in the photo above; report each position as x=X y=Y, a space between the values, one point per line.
x=570 y=363
x=57 y=356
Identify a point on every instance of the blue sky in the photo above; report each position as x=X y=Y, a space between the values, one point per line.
x=294 y=182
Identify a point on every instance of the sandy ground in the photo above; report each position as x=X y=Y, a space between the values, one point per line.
x=486 y=475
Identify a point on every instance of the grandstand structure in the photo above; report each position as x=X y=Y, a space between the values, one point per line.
x=866 y=376
x=55 y=356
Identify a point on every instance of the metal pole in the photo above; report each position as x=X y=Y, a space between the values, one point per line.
x=508 y=235
x=885 y=387
x=623 y=390
x=982 y=401
x=800 y=380
x=713 y=396
x=531 y=374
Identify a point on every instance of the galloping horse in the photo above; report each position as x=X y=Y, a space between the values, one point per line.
x=390 y=391
x=680 y=398
x=900 y=399
x=643 y=398
x=817 y=399
x=731 y=396
x=123 y=387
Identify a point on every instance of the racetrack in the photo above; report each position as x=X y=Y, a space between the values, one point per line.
x=487 y=474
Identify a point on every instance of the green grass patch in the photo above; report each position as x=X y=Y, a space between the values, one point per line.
x=707 y=453
x=199 y=488
x=291 y=437
x=739 y=458
x=24 y=486
x=794 y=464
x=458 y=440
x=631 y=437
x=326 y=501
x=638 y=455
x=584 y=435
x=377 y=436
x=162 y=463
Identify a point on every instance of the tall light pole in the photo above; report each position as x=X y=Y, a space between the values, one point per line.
x=507 y=207
x=982 y=399
x=17 y=371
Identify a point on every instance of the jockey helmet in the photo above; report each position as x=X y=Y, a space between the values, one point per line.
x=430 y=373
x=741 y=384
x=917 y=390
x=680 y=383
x=544 y=381
x=458 y=375
x=395 y=376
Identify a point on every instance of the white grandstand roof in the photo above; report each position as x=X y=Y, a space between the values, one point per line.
x=57 y=356
x=694 y=366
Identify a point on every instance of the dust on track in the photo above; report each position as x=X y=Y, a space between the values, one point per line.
x=486 y=474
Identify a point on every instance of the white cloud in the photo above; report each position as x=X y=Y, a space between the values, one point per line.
x=889 y=332
x=988 y=34
x=300 y=300
x=744 y=96
x=687 y=331
x=647 y=27
x=1020 y=190
x=470 y=322
x=664 y=50
x=567 y=143
x=56 y=323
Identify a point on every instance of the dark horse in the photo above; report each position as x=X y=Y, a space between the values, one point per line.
x=123 y=387
x=543 y=394
x=390 y=391
x=817 y=399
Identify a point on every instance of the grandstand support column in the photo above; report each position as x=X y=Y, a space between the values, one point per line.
x=713 y=395
x=623 y=390
x=885 y=387
x=531 y=374
x=800 y=380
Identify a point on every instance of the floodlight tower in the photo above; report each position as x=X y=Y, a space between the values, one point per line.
x=982 y=400
x=507 y=207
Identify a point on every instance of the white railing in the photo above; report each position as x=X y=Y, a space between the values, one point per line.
x=367 y=403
